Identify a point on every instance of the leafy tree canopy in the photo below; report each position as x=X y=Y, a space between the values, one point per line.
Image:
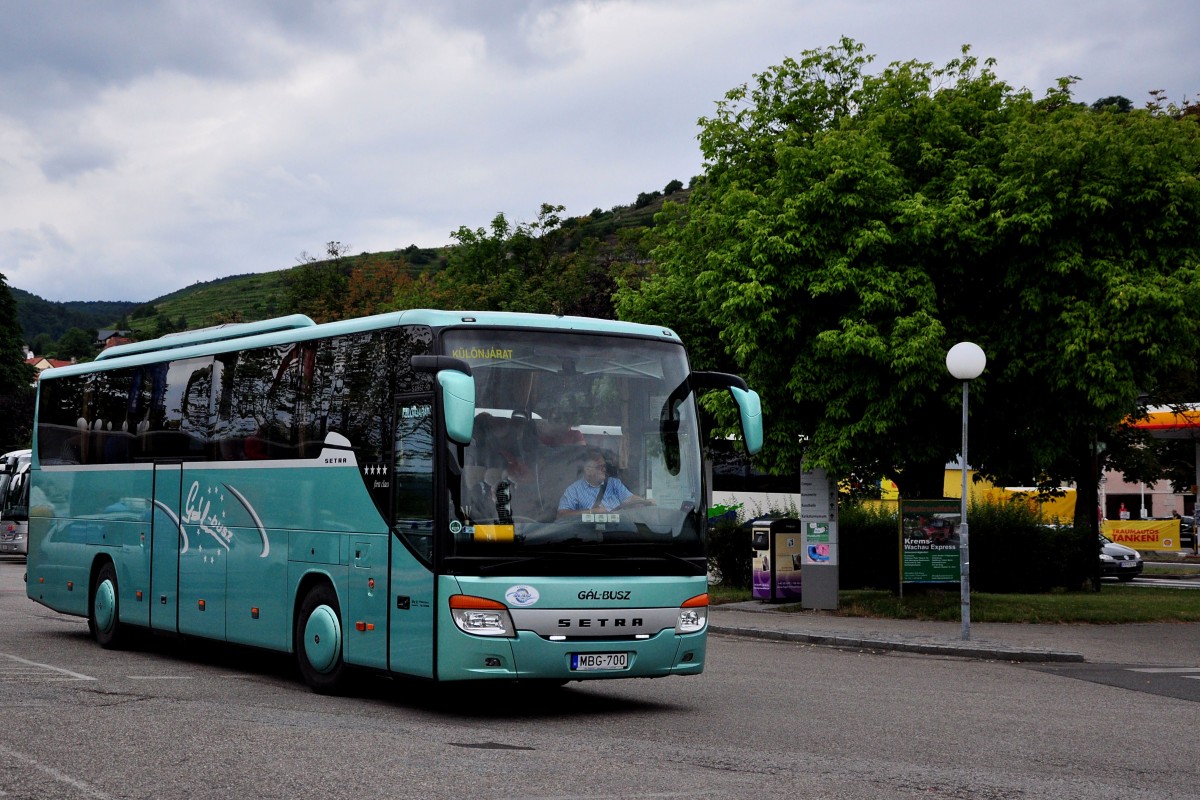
x=851 y=227
x=15 y=374
x=76 y=344
x=547 y=266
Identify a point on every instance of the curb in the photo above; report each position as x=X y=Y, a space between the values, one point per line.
x=980 y=650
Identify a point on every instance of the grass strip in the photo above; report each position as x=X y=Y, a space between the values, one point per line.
x=1114 y=604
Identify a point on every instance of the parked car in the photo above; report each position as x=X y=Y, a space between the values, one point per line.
x=1117 y=560
x=1187 y=533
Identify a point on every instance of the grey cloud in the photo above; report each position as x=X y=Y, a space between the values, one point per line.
x=308 y=124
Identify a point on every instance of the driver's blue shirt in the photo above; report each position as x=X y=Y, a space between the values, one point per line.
x=580 y=496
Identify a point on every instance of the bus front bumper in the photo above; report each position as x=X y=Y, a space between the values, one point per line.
x=537 y=658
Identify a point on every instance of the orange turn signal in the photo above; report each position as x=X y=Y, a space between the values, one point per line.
x=468 y=601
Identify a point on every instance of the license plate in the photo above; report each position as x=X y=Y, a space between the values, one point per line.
x=582 y=662
x=1128 y=563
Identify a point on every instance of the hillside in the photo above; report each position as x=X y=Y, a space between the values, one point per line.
x=262 y=295
x=252 y=297
x=37 y=316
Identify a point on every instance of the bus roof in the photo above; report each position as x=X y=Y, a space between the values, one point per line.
x=10 y=461
x=297 y=327
x=215 y=333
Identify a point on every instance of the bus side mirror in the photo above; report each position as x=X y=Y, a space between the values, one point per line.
x=458 y=393
x=750 y=411
x=458 y=404
x=747 y=400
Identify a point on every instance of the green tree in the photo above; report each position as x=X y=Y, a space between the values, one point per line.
x=1116 y=102
x=15 y=374
x=505 y=267
x=76 y=344
x=318 y=287
x=1095 y=219
x=42 y=343
x=851 y=227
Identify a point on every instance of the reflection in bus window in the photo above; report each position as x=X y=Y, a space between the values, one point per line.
x=414 y=476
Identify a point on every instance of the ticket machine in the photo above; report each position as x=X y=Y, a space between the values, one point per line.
x=778 y=554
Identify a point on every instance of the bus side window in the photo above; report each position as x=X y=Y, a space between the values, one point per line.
x=413 y=478
x=180 y=412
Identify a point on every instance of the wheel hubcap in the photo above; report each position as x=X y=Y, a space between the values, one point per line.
x=106 y=606
x=322 y=639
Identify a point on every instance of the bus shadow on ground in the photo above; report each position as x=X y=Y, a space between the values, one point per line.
x=458 y=699
x=511 y=699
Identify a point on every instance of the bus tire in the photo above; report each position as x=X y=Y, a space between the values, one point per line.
x=104 y=621
x=319 y=640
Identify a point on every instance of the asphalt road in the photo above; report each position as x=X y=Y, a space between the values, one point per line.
x=171 y=719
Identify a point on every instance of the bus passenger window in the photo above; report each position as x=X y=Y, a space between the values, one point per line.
x=413 y=484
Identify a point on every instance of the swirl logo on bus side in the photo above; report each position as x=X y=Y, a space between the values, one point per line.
x=522 y=595
x=198 y=511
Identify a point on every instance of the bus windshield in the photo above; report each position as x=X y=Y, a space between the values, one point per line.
x=579 y=440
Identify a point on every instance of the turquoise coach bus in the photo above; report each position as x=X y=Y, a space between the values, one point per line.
x=387 y=493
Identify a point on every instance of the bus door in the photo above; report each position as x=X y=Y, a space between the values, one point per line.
x=203 y=562
x=166 y=536
x=411 y=626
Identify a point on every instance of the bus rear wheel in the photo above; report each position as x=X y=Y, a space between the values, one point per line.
x=105 y=619
x=319 y=640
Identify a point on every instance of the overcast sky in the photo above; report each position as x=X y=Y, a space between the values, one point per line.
x=147 y=146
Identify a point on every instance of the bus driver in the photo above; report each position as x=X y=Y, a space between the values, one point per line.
x=597 y=491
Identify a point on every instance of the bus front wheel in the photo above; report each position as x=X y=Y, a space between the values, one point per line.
x=105 y=619
x=319 y=640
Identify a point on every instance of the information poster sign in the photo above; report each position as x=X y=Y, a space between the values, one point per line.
x=818 y=514
x=820 y=543
x=929 y=541
x=1149 y=534
x=818 y=518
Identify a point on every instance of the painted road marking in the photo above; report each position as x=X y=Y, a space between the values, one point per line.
x=32 y=670
x=82 y=786
x=1190 y=673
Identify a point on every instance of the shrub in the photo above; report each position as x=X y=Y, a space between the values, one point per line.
x=1012 y=549
x=729 y=552
x=868 y=547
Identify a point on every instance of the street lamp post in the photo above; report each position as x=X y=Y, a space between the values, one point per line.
x=965 y=362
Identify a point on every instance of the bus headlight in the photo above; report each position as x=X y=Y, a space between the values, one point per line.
x=693 y=615
x=481 y=617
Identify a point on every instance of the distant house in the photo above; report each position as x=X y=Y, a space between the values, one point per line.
x=111 y=338
x=41 y=362
x=113 y=341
